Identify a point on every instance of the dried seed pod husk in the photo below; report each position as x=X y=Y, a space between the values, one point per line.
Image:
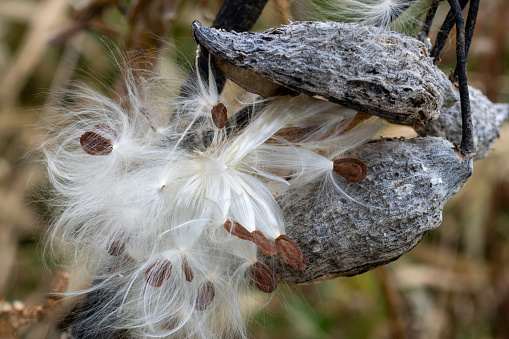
x=365 y=68
x=290 y=252
x=375 y=221
x=487 y=118
x=188 y=272
x=98 y=141
x=353 y=170
x=219 y=115
x=205 y=295
x=236 y=229
x=158 y=273
x=263 y=277
x=263 y=244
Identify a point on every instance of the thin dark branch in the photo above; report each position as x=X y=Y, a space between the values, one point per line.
x=467 y=138
x=469 y=28
x=234 y=15
x=428 y=21
x=445 y=30
x=470 y=23
x=239 y=15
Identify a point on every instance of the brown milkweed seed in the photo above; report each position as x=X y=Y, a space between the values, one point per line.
x=205 y=295
x=219 y=115
x=98 y=141
x=116 y=246
x=170 y=323
x=263 y=244
x=123 y=265
x=187 y=269
x=236 y=229
x=290 y=252
x=263 y=277
x=353 y=170
x=158 y=273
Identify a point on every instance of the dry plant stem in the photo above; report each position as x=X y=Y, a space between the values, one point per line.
x=12 y=317
x=234 y=15
x=82 y=19
x=394 y=303
x=467 y=139
x=239 y=15
x=149 y=24
x=444 y=32
x=387 y=214
x=473 y=8
x=428 y=21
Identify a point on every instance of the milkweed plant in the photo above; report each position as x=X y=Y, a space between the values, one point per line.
x=169 y=204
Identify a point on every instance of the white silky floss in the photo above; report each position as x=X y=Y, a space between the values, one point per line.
x=172 y=234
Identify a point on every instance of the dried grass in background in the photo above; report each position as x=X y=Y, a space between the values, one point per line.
x=455 y=284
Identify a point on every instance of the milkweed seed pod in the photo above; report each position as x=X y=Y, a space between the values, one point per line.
x=487 y=118
x=365 y=68
x=375 y=221
x=180 y=236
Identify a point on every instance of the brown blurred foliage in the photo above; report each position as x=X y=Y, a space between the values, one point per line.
x=455 y=284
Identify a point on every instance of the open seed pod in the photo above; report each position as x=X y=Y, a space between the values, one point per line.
x=375 y=221
x=487 y=118
x=360 y=67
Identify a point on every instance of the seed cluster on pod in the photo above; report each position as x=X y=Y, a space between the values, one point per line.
x=174 y=231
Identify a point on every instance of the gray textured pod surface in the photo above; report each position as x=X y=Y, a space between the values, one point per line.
x=487 y=118
x=408 y=184
x=361 y=67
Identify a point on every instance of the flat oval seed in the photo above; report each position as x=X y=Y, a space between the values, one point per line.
x=116 y=246
x=206 y=294
x=290 y=252
x=263 y=244
x=98 y=141
x=236 y=229
x=219 y=115
x=263 y=277
x=353 y=170
x=187 y=269
x=123 y=265
x=158 y=273
x=170 y=323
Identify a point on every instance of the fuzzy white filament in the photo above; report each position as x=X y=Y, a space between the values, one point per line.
x=380 y=13
x=172 y=232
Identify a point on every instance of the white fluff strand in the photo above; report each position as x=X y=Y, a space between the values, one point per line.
x=171 y=233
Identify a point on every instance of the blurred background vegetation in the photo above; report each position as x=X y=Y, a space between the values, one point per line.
x=454 y=284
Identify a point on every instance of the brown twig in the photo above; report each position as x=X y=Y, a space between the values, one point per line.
x=17 y=314
x=81 y=20
x=394 y=303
